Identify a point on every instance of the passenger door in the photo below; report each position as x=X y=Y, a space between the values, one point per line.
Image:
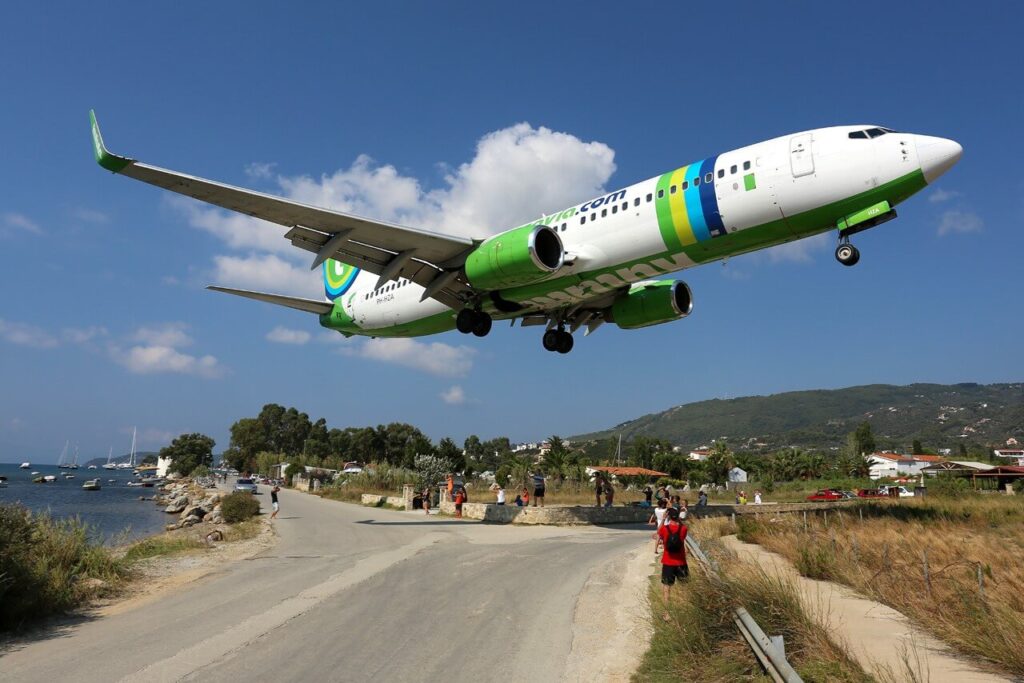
x=801 y=158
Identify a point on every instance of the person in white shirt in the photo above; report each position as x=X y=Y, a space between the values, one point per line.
x=757 y=497
x=501 y=495
x=658 y=518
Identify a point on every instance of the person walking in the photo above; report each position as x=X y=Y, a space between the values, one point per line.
x=273 y=501
x=538 y=488
x=672 y=537
x=426 y=499
x=609 y=493
x=658 y=519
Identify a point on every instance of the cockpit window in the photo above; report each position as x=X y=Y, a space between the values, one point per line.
x=870 y=133
x=875 y=132
x=858 y=135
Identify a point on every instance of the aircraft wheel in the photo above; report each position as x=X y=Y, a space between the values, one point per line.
x=464 y=321
x=481 y=324
x=565 y=342
x=550 y=340
x=847 y=254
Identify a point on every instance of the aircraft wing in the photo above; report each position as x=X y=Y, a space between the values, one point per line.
x=429 y=259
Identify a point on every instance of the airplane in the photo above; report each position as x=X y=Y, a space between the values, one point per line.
x=593 y=262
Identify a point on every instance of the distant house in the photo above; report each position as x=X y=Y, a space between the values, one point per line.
x=892 y=465
x=1012 y=442
x=700 y=454
x=1015 y=454
x=162 y=466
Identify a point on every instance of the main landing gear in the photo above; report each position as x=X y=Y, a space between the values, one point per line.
x=557 y=340
x=477 y=322
x=846 y=253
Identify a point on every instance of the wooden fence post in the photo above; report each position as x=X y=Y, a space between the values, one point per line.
x=981 y=582
x=927 y=576
x=805 y=521
x=861 y=511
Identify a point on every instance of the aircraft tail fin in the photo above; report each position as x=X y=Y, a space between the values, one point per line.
x=338 y=278
x=308 y=305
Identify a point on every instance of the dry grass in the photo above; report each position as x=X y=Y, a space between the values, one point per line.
x=701 y=642
x=884 y=557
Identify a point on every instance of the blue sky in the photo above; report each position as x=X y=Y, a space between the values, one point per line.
x=398 y=111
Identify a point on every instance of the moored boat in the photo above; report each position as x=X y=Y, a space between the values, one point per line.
x=26 y=465
x=49 y=478
x=92 y=485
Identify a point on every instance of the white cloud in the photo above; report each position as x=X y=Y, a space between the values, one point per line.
x=82 y=335
x=268 y=273
x=939 y=195
x=164 y=334
x=799 y=251
x=259 y=170
x=454 y=396
x=435 y=358
x=18 y=221
x=91 y=215
x=24 y=334
x=954 y=221
x=283 y=335
x=147 y=360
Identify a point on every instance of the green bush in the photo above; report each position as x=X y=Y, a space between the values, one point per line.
x=239 y=506
x=45 y=566
x=200 y=471
x=949 y=487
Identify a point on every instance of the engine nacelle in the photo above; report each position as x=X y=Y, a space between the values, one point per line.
x=518 y=257
x=652 y=303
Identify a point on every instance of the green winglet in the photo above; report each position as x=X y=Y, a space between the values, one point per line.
x=109 y=161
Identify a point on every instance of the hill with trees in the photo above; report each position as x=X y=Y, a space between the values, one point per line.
x=962 y=417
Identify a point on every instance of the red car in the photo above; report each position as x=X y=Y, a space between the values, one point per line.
x=826 y=495
x=870 y=493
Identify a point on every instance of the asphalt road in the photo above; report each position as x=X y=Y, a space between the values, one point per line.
x=350 y=593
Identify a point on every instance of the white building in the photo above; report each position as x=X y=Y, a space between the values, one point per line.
x=896 y=465
x=162 y=466
x=1016 y=454
x=737 y=476
x=700 y=454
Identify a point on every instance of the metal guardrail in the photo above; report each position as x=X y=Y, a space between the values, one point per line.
x=770 y=652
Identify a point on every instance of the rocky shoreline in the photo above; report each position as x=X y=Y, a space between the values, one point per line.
x=192 y=503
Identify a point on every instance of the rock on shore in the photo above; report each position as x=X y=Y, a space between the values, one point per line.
x=191 y=502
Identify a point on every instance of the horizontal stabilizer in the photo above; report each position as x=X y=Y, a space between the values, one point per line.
x=308 y=305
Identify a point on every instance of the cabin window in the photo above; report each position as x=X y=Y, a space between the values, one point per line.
x=661 y=193
x=746 y=165
x=732 y=169
x=649 y=196
x=708 y=177
x=615 y=209
x=593 y=217
x=696 y=181
x=604 y=212
x=583 y=220
x=686 y=184
x=672 y=189
x=636 y=202
x=721 y=173
x=625 y=205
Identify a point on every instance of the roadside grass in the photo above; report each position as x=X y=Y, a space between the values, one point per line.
x=162 y=545
x=243 y=531
x=951 y=565
x=701 y=642
x=48 y=566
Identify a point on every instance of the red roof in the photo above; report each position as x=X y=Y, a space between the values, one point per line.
x=929 y=458
x=630 y=471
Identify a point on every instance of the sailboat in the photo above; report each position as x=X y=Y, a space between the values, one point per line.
x=110 y=465
x=74 y=461
x=63 y=455
x=130 y=465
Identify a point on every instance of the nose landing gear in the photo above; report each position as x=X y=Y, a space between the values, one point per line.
x=475 y=322
x=846 y=253
x=557 y=340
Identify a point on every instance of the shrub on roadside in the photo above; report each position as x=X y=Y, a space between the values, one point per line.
x=201 y=471
x=239 y=506
x=48 y=566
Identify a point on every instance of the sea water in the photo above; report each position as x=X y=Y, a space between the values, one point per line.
x=114 y=513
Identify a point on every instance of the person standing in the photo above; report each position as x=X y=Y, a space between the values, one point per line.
x=449 y=484
x=672 y=537
x=598 y=489
x=460 y=497
x=501 y=494
x=273 y=501
x=757 y=497
x=648 y=494
x=658 y=519
x=538 y=488
x=609 y=493
x=426 y=499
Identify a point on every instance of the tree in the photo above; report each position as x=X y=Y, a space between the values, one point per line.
x=448 y=450
x=917 y=447
x=188 y=452
x=862 y=441
x=474 y=449
x=719 y=462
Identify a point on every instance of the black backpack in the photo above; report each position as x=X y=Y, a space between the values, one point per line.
x=674 y=542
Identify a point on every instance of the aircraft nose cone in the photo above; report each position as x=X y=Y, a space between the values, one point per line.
x=937 y=155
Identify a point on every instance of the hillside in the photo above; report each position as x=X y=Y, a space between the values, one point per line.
x=940 y=416
x=139 y=455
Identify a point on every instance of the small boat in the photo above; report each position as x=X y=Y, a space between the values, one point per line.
x=92 y=485
x=111 y=481
x=49 y=478
x=26 y=465
x=69 y=476
x=135 y=483
x=37 y=480
x=3 y=482
x=34 y=473
x=110 y=465
x=92 y=467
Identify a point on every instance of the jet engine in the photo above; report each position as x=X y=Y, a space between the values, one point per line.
x=651 y=303
x=518 y=257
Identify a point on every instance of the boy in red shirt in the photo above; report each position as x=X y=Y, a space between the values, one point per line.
x=672 y=536
x=460 y=497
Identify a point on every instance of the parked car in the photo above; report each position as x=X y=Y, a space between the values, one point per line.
x=896 y=491
x=247 y=485
x=870 y=493
x=826 y=495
